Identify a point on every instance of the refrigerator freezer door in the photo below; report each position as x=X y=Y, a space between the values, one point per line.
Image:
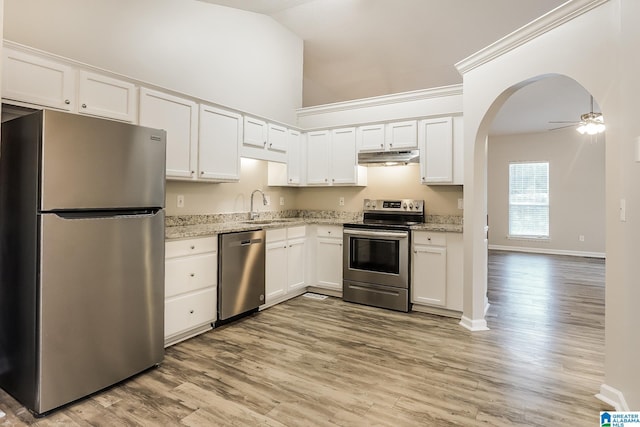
x=102 y=303
x=90 y=163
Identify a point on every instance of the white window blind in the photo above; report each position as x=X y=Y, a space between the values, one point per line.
x=529 y=199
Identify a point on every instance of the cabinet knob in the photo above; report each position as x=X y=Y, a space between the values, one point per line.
x=201 y=172
x=192 y=247
x=390 y=145
x=264 y=143
x=84 y=105
x=381 y=145
x=66 y=101
x=423 y=178
x=192 y=274
x=290 y=179
x=415 y=251
x=326 y=180
x=190 y=311
x=192 y=172
x=271 y=145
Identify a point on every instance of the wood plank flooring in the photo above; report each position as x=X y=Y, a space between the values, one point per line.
x=308 y=362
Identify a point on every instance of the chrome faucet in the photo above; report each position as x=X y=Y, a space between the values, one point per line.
x=252 y=214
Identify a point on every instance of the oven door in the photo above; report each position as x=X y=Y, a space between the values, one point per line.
x=376 y=256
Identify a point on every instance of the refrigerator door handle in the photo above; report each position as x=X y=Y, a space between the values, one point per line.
x=106 y=214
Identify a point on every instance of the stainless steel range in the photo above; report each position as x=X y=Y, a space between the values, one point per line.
x=376 y=268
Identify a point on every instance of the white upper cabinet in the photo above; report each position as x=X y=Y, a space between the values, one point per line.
x=264 y=140
x=318 y=152
x=104 y=96
x=277 y=137
x=370 y=137
x=294 y=158
x=402 y=135
x=34 y=80
x=344 y=161
x=387 y=137
x=441 y=151
x=219 y=142
x=332 y=158
x=255 y=132
x=179 y=117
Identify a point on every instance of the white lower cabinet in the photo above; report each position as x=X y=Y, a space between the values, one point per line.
x=190 y=287
x=329 y=257
x=436 y=278
x=285 y=264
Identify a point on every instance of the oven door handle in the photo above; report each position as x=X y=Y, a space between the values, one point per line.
x=392 y=234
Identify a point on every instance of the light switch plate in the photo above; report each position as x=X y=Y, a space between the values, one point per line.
x=180 y=201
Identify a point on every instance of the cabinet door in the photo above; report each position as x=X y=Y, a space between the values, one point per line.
x=179 y=117
x=219 y=144
x=295 y=264
x=275 y=270
x=344 y=160
x=106 y=97
x=34 y=80
x=189 y=311
x=255 y=132
x=277 y=137
x=429 y=276
x=294 y=157
x=370 y=138
x=436 y=148
x=329 y=263
x=318 y=147
x=402 y=135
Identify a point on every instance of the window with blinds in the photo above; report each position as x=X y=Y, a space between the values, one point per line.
x=529 y=199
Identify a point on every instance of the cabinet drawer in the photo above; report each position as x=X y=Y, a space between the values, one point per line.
x=176 y=248
x=296 y=232
x=429 y=238
x=276 y=234
x=190 y=273
x=188 y=311
x=330 y=231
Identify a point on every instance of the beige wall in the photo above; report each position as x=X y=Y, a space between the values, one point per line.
x=383 y=182
x=206 y=198
x=576 y=184
x=234 y=58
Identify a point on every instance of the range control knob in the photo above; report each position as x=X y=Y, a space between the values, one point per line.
x=410 y=205
x=373 y=205
x=366 y=205
x=404 y=205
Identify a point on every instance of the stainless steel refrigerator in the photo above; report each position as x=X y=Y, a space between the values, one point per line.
x=81 y=255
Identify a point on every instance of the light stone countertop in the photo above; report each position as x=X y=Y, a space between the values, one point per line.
x=208 y=225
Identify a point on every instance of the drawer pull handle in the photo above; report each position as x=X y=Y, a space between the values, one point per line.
x=192 y=247
x=192 y=275
x=190 y=311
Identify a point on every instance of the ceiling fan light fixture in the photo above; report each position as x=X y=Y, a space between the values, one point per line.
x=591 y=124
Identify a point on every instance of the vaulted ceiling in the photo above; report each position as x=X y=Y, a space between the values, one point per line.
x=362 y=48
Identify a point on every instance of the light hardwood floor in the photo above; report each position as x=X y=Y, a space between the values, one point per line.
x=326 y=363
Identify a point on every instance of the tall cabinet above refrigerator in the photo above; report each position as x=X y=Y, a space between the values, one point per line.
x=81 y=255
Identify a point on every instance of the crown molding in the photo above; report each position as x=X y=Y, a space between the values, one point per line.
x=553 y=19
x=417 y=95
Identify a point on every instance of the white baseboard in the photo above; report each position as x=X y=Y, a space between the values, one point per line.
x=547 y=251
x=474 y=325
x=613 y=397
x=436 y=310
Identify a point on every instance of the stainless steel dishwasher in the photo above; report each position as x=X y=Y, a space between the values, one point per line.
x=240 y=273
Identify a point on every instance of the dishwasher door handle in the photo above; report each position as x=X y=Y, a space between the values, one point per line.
x=247 y=242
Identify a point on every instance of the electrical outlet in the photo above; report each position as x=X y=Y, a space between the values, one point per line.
x=281 y=201
x=268 y=199
x=341 y=201
x=180 y=201
x=581 y=238
x=460 y=203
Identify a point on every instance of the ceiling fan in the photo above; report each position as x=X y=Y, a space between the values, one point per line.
x=590 y=123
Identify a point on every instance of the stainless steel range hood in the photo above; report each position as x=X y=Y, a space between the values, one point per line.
x=389 y=158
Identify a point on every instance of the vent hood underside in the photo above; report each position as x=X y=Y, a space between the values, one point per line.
x=389 y=158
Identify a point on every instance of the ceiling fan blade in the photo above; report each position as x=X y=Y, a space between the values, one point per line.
x=562 y=127
x=566 y=121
